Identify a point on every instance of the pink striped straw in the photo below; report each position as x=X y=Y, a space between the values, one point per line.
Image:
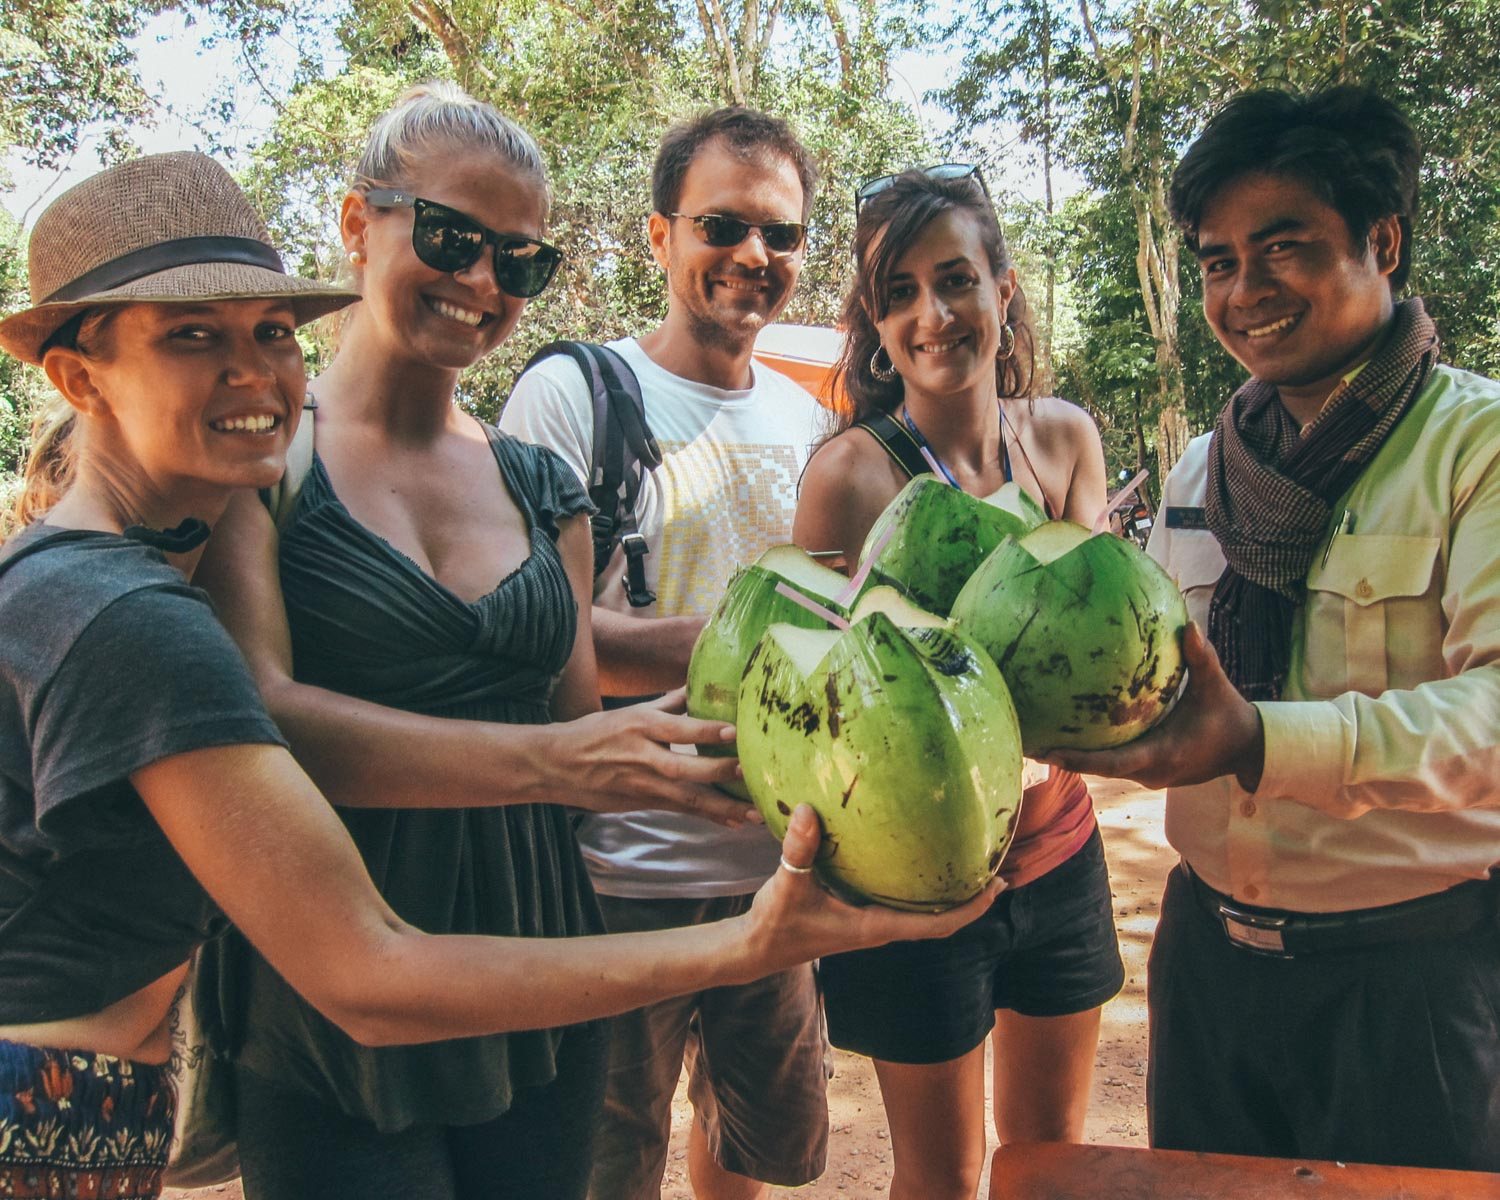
x=858 y=580
x=1101 y=522
x=937 y=467
x=812 y=606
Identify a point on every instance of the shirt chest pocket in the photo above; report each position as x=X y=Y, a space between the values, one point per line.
x=1375 y=597
x=1195 y=566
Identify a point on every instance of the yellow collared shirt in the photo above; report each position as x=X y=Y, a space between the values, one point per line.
x=1382 y=772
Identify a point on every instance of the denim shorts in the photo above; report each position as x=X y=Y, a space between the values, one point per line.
x=1047 y=949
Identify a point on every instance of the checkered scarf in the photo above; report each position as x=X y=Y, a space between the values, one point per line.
x=1271 y=488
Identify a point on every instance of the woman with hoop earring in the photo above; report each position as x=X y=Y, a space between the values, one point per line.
x=939 y=343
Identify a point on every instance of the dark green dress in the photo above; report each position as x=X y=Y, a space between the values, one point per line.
x=366 y=621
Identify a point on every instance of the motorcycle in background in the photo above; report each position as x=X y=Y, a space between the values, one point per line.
x=1130 y=514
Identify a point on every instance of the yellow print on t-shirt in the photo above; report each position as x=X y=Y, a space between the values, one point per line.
x=724 y=504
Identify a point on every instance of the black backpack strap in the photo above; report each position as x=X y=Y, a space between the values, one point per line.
x=624 y=449
x=898 y=442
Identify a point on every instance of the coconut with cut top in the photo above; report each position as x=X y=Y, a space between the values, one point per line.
x=932 y=536
x=903 y=738
x=748 y=607
x=1087 y=631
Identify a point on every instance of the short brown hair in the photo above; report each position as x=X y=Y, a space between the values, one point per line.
x=747 y=132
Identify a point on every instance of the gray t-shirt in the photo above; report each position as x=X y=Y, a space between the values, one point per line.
x=109 y=661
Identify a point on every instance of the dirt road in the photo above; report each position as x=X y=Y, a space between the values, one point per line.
x=859 y=1161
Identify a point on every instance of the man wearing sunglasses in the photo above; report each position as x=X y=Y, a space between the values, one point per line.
x=731 y=192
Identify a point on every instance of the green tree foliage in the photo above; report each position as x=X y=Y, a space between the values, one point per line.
x=66 y=65
x=1108 y=92
x=597 y=86
x=1117 y=90
x=20 y=387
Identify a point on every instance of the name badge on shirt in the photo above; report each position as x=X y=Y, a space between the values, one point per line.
x=1184 y=517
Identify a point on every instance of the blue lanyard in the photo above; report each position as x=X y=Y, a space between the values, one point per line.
x=942 y=466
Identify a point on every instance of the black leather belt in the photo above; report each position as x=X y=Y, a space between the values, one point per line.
x=1283 y=934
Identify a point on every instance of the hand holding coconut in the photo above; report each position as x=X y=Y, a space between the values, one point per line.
x=794 y=918
x=1211 y=731
x=622 y=761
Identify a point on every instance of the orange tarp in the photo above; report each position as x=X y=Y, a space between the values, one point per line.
x=804 y=353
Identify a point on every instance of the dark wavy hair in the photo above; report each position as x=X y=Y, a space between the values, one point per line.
x=1351 y=147
x=889 y=222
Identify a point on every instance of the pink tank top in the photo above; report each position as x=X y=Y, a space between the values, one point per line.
x=1057 y=818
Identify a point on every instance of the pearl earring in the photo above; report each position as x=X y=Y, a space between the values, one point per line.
x=356 y=258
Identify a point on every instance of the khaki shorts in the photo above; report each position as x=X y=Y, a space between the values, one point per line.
x=757 y=1062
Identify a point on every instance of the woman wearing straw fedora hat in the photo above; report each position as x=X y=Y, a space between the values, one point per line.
x=143 y=787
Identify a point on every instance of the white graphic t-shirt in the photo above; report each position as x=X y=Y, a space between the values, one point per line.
x=726 y=490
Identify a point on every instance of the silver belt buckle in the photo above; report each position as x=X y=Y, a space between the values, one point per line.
x=1256 y=932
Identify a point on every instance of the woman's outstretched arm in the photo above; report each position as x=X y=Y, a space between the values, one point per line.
x=254 y=830
x=367 y=755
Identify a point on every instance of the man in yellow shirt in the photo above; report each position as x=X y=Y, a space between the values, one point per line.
x=1325 y=981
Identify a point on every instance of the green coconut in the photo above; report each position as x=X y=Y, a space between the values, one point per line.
x=934 y=535
x=1087 y=631
x=749 y=606
x=886 y=599
x=1017 y=501
x=905 y=742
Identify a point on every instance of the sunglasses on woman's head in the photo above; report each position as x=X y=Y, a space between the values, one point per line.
x=721 y=232
x=446 y=240
x=942 y=171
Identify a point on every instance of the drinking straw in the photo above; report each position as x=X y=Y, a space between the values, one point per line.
x=858 y=580
x=937 y=467
x=1101 y=522
x=813 y=606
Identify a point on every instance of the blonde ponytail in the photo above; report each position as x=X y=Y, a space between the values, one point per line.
x=49 y=466
x=54 y=437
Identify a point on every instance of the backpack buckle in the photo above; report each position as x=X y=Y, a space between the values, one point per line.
x=635 y=548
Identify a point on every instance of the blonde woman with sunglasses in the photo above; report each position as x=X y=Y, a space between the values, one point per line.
x=145 y=792
x=422 y=616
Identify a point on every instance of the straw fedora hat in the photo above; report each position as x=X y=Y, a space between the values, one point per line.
x=163 y=229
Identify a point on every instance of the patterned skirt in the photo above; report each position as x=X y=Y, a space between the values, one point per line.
x=75 y=1125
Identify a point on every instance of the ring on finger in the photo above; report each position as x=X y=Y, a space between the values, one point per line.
x=786 y=866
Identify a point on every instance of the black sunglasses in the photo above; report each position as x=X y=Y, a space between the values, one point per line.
x=780 y=237
x=446 y=240
x=942 y=171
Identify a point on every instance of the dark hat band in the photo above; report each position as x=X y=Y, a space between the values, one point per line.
x=179 y=252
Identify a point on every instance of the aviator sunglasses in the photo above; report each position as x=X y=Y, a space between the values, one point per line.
x=721 y=232
x=942 y=171
x=446 y=240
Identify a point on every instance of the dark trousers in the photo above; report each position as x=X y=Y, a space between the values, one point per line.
x=1382 y=1055
x=292 y=1147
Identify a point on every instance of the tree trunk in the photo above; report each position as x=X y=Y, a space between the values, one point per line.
x=1172 y=430
x=441 y=23
x=1157 y=264
x=716 y=30
x=1046 y=379
x=840 y=29
x=1144 y=159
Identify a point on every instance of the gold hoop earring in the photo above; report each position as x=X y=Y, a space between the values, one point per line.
x=1007 y=343
x=887 y=373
